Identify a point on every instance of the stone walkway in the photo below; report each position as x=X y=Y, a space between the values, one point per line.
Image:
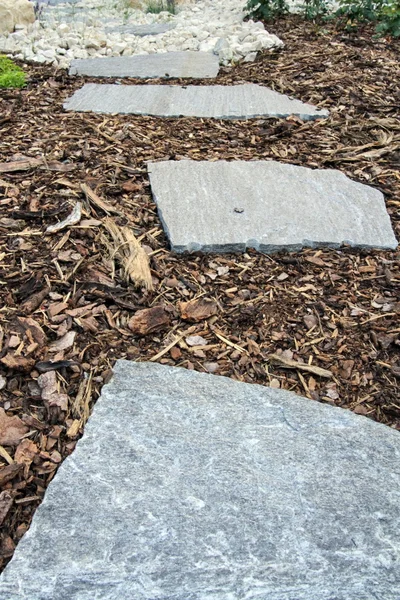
x=230 y=206
x=217 y=101
x=197 y=65
x=189 y=486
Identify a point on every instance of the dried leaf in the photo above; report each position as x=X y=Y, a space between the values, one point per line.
x=12 y=429
x=25 y=453
x=50 y=393
x=198 y=309
x=64 y=342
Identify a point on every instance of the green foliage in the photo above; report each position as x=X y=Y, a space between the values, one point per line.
x=157 y=6
x=389 y=22
x=11 y=76
x=315 y=9
x=385 y=13
x=359 y=11
x=266 y=9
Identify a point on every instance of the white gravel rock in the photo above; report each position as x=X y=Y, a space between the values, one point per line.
x=77 y=30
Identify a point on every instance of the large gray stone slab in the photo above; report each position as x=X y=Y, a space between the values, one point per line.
x=230 y=206
x=142 y=30
x=189 y=486
x=217 y=101
x=198 y=65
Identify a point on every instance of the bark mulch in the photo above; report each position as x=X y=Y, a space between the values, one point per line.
x=324 y=324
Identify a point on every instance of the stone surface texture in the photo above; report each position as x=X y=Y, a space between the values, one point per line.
x=230 y=206
x=198 y=65
x=141 y=30
x=189 y=486
x=15 y=12
x=94 y=28
x=215 y=101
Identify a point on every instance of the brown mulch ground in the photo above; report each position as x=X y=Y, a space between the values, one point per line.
x=64 y=297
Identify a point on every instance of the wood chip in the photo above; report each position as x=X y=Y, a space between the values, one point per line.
x=293 y=364
x=198 y=309
x=97 y=201
x=12 y=429
x=149 y=320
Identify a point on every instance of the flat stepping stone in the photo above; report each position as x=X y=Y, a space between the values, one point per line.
x=230 y=206
x=142 y=30
x=217 y=101
x=197 y=65
x=189 y=486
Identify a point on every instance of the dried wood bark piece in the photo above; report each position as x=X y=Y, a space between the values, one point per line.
x=149 y=320
x=293 y=364
x=35 y=329
x=97 y=201
x=6 y=502
x=9 y=472
x=12 y=429
x=34 y=301
x=20 y=165
x=19 y=363
x=198 y=309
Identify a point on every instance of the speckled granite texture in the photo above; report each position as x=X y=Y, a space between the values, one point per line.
x=189 y=486
x=230 y=206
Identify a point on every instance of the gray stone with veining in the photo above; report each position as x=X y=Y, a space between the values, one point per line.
x=215 y=101
x=230 y=206
x=142 y=30
x=189 y=486
x=197 y=65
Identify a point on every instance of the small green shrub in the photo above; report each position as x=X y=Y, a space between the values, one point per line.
x=385 y=13
x=11 y=76
x=157 y=6
x=315 y=9
x=359 y=11
x=389 y=21
x=266 y=9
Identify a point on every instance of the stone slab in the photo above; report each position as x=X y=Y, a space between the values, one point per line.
x=218 y=101
x=198 y=65
x=230 y=206
x=142 y=30
x=190 y=486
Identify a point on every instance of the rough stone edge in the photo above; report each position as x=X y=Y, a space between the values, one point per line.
x=319 y=114
x=128 y=29
x=277 y=397
x=269 y=248
x=73 y=69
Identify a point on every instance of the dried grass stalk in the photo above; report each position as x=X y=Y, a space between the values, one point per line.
x=129 y=253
